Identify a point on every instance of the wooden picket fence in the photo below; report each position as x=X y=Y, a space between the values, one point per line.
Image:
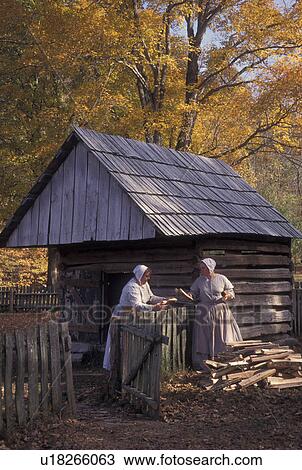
x=35 y=373
x=27 y=299
x=297 y=309
x=143 y=346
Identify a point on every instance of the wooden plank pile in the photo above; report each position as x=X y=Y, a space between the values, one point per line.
x=254 y=363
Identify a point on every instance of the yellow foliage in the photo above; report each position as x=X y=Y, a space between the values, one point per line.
x=80 y=62
x=24 y=267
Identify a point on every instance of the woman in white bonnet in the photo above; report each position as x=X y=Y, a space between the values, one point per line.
x=136 y=294
x=214 y=324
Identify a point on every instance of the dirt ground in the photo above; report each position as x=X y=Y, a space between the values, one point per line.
x=21 y=321
x=190 y=419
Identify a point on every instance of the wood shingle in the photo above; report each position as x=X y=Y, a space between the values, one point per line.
x=101 y=187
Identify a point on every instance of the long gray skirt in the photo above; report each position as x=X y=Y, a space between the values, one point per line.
x=124 y=313
x=213 y=327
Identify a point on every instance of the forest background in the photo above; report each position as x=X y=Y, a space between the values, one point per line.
x=221 y=78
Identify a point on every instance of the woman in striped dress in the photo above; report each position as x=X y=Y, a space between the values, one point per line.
x=214 y=324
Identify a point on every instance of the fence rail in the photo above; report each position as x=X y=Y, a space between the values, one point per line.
x=35 y=373
x=27 y=299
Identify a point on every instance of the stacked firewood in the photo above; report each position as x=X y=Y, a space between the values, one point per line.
x=254 y=363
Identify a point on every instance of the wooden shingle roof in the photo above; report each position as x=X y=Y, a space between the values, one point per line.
x=186 y=194
x=178 y=192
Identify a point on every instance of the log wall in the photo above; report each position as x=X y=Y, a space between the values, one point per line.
x=262 y=275
x=83 y=275
x=260 y=271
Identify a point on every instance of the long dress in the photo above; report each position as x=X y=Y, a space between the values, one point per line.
x=214 y=323
x=133 y=296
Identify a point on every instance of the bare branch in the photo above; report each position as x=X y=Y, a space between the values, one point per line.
x=258 y=133
x=223 y=87
x=171 y=6
x=240 y=56
x=134 y=69
x=249 y=154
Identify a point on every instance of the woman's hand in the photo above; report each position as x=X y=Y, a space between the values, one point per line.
x=172 y=300
x=160 y=306
x=226 y=295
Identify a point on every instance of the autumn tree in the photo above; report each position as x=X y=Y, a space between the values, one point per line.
x=221 y=78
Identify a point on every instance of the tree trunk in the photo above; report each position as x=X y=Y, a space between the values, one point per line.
x=184 y=140
x=53 y=271
x=157 y=137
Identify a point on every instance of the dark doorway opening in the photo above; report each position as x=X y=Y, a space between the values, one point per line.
x=114 y=286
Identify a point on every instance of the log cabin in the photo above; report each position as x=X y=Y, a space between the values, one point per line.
x=106 y=203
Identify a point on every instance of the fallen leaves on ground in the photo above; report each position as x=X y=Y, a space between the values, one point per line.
x=190 y=419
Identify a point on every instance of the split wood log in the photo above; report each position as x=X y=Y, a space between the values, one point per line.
x=276 y=350
x=239 y=363
x=278 y=382
x=249 y=350
x=256 y=378
x=259 y=365
x=215 y=364
x=239 y=344
x=295 y=364
x=253 y=347
x=246 y=363
x=226 y=370
x=268 y=357
x=230 y=388
x=221 y=384
x=241 y=375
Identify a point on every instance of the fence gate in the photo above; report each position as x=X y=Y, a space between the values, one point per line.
x=138 y=368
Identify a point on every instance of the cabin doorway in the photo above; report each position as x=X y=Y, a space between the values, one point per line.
x=114 y=286
x=90 y=297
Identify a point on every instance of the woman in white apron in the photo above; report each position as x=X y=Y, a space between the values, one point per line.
x=136 y=294
x=214 y=324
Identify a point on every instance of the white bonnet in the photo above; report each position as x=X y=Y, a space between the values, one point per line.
x=139 y=271
x=210 y=264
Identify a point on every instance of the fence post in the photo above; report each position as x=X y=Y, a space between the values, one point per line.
x=66 y=350
x=115 y=382
x=11 y=300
